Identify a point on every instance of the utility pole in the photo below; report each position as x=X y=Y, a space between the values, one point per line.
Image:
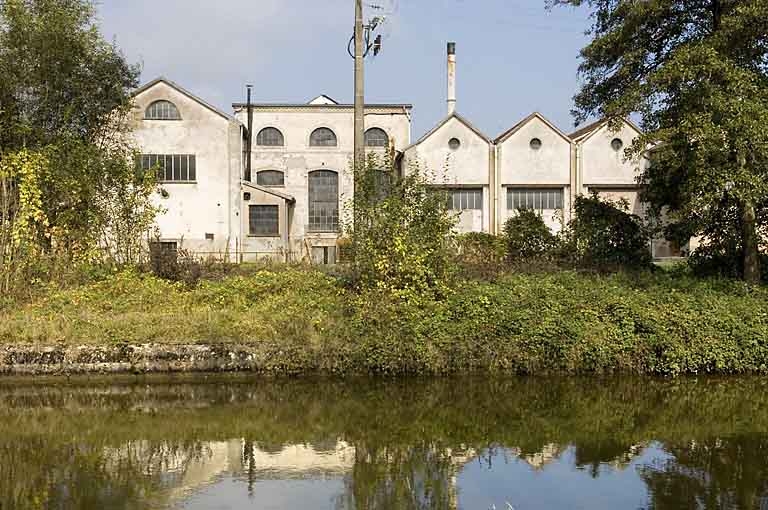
x=359 y=128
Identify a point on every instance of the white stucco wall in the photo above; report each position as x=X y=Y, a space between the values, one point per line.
x=208 y=205
x=601 y=165
x=548 y=167
x=296 y=159
x=466 y=167
x=520 y=164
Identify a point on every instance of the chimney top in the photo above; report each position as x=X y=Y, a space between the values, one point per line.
x=451 y=48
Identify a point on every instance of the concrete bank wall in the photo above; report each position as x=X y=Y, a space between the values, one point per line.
x=29 y=359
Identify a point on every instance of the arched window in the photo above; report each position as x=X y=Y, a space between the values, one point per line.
x=376 y=137
x=162 y=110
x=322 y=137
x=323 y=201
x=270 y=178
x=270 y=137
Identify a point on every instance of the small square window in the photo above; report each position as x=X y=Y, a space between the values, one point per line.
x=263 y=220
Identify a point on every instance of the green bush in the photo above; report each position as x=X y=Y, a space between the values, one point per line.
x=400 y=232
x=604 y=236
x=480 y=247
x=527 y=236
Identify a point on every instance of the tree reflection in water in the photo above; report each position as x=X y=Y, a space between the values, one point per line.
x=728 y=473
x=123 y=445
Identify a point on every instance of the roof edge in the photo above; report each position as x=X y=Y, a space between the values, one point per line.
x=443 y=122
x=535 y=115
x=332 y=106
x=182 y=90
x=284 y=196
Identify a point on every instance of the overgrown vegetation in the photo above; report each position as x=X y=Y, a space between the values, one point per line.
x=696 y=74
x=400 y=232
x=308 y=321
x=69 y=193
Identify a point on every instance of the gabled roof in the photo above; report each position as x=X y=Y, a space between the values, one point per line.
x=443 y=123
x=535 y=115
x=584 y=130
x=323 y=99
x=182 y=90
x=587 y=131
x=271 y=191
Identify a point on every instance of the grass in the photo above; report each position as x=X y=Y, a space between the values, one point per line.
x=561 y=322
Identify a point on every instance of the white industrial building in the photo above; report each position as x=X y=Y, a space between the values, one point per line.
x=288 y=202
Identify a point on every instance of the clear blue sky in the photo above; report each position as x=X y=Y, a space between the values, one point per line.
x=513 y=56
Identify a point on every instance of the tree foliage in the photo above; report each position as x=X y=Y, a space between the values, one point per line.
x=400 y=231
x=603 y=235
x=65 y=98
x=697 y=73
x=527 y=235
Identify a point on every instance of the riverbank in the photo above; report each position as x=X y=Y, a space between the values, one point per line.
x=301 y=321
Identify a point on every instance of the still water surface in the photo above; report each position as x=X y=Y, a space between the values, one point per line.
x=221 y=442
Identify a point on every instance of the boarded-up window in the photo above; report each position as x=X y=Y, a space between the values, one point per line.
x=323 y=254
x=534 y=198
x=323 y=201
x=461 y=199
x=263 y=220
x=171 y=167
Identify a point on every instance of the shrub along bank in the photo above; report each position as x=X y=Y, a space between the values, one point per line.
x=307 y=321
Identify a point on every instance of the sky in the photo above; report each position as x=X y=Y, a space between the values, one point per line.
x=513 y=56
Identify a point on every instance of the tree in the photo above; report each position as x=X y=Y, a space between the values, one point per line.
x=696 y=71
x=604 y=235
x=401 y=231
x=61 y=79
x=66 y=96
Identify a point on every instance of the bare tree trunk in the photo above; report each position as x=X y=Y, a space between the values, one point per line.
x=751 y=254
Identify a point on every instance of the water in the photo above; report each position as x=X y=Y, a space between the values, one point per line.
x=229 y=442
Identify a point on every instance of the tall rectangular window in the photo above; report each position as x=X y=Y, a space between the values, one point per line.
x=171 y=167
x=535 y=198
x=323 y=201
x=263 y=220
x=461 y=199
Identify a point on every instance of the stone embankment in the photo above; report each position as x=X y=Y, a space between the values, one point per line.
x=30 y=359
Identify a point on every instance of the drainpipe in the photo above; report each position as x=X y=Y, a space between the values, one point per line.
x=493 y=201
x=249 y=140
x=574 y=178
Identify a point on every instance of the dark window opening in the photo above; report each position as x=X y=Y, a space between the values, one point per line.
x=171 y=167
x=270 y=137
x=263 y=220
x=322 y=137
x=270 y=178
x=323 y=201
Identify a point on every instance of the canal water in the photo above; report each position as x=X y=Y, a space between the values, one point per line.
x=227 y=442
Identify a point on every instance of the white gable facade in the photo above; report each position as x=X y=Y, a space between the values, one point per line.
x=457 y=157
x=293 y=204
x=199 y=184
x=534 y=168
